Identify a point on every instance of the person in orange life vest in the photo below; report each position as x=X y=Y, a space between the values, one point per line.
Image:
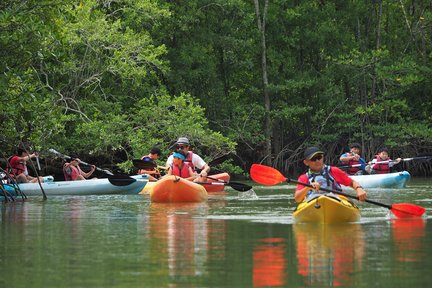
x=353 y=158
x=325 y=176
x=18 y=164
x=192 y=159
x=383 y=168
x=155 y=153
x=72 y=171
x=182 y=169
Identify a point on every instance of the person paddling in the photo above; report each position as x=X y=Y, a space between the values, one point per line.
x=155 y=153
x=352 y=158
x=18 y=165
x=72 y=171
x=193 y=160
x=383 y=168
x=325 y=176
x=181 y=169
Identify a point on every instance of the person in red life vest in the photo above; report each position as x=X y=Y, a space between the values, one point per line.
x=382 y=163
x=192 y=159
x=18 y=165
x=155 y=153
x=325 y=176
x=352 y=158
x=72 y=171
x=181 y=169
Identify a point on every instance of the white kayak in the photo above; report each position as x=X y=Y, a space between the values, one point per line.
x=389 y=180
x=83 y=187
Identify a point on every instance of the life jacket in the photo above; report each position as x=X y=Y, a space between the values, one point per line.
x=183 y=172
x=71 y=172
x=381 y=168
x=351 y=170
x=17 y=167
x=324 y=178
x=188 y=160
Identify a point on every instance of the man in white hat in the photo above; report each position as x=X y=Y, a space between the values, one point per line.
x=193 y=160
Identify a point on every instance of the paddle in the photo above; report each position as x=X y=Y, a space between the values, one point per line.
x=269 y=176
x=124 y=180
x=81 y=162
x=388 y=161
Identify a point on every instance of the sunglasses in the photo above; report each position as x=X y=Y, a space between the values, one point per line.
x=181 y=147
x=315 y=158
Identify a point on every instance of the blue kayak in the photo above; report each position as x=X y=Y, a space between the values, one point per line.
x=83 y=187
x=389 y=180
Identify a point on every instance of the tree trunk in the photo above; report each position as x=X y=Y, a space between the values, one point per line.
x=267 y=122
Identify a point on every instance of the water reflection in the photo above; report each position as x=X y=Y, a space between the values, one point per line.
x=269 y=263
x=408 y=236
x=328 y=254
x=180 y=236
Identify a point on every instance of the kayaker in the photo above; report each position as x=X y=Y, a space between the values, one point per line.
x=18 y=166
x=180 y=168
x=382 y=168
x=155 y=153
x=193 y=160
x=321 y=175
x=352 y=158
x=72 y=171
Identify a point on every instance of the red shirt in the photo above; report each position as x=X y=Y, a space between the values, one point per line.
x=339 y=176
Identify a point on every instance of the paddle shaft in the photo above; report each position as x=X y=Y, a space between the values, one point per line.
x=388 y=161
x=338 y=192
x=81 y=162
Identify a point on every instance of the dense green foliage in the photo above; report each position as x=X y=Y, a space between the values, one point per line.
x=112 y=78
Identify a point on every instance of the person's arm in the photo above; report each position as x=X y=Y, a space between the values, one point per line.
x=346 y=157
x=88 y=174
x=345 y=180
x=302 y=190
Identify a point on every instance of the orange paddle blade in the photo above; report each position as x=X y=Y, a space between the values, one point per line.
x=406 y=210
x=266 y=175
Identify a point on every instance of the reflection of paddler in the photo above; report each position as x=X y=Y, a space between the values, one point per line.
x=408 y=236
x=328 y=253
x=269 y=263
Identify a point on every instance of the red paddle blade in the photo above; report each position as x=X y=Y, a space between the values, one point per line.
x=266 y=175
x=406 y=210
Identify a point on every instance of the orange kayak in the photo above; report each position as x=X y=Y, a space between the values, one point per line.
x=216 y=188
x=171 y=189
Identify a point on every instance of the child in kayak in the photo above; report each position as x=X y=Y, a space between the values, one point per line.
x=382 y=163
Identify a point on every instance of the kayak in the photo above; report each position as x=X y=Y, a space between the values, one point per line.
x=389 y=180
x=173 y=189
x=326 y=209
x=83 y=187
x=208 y=187
x=216 y=188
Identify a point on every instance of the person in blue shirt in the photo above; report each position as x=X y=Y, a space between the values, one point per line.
x=357 y=165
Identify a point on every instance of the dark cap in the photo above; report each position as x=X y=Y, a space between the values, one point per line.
x=183 y=140
x=355 y=145
x=311 y=152
x=156 y=150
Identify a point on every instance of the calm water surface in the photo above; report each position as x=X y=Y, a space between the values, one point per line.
x=233 y=240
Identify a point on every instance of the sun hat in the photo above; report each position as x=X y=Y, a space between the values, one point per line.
x=183 y=140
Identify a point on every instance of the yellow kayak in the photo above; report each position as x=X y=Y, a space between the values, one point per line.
x=325 y=209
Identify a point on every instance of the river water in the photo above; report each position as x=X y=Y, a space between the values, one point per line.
x=233 y=240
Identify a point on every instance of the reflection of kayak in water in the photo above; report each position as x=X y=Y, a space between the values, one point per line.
x=327 y=255
x=326 y=208
x=173 y=189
